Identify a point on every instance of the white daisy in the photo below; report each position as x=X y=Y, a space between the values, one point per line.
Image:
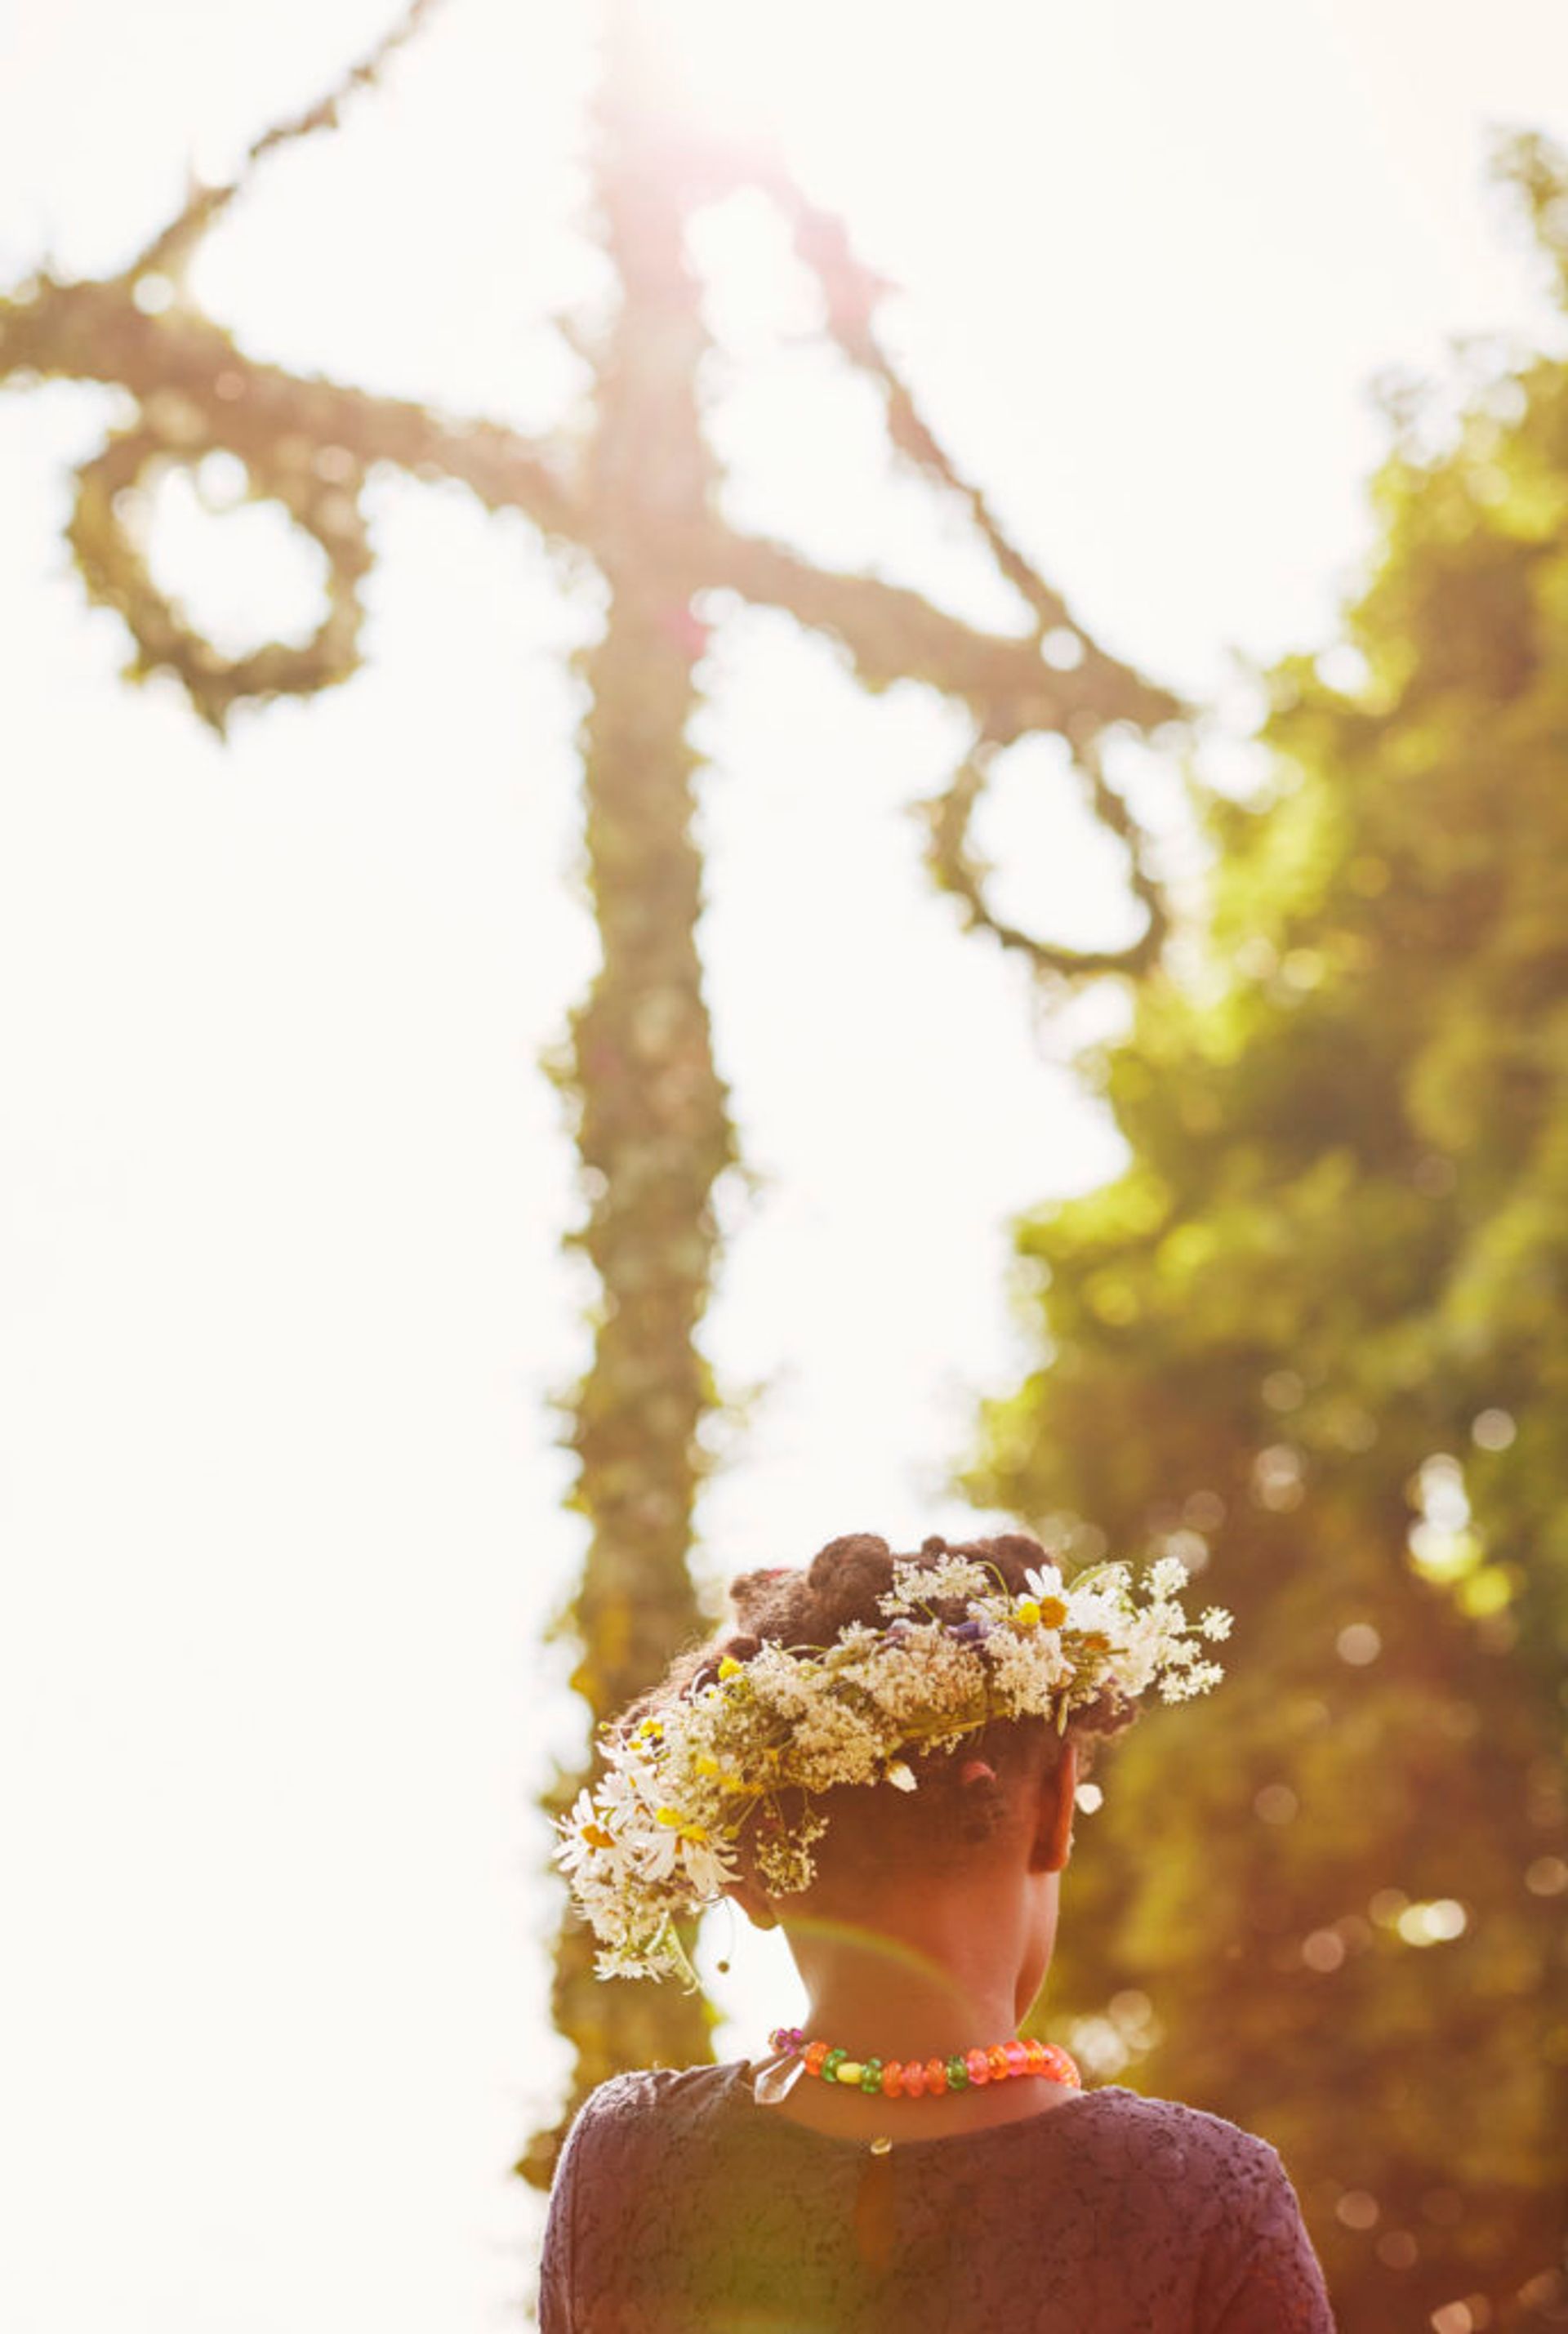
x=1047 y=1581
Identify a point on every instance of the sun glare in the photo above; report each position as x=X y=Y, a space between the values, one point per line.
x=721 y=60
x=775 y=76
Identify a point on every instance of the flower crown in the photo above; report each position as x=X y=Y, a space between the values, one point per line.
x=656 y=1841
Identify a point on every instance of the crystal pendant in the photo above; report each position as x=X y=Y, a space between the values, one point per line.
x=776 y=2078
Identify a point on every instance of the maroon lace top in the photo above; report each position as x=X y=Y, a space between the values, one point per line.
x=682 y=2206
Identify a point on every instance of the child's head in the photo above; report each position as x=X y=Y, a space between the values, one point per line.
x=864 y=1721
x=966 y=1795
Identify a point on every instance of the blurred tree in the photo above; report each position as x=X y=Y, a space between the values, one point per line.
x=636 y=490
x=1314 y=1338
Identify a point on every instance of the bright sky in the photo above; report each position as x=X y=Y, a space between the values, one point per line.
x=282 y=1183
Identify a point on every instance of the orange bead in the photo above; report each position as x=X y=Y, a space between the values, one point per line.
x=813 y=2054
x=893 y=2082
x=1036 y=2050
x=1000 y=2066
x=935 y=2077
x=914 y=2080
x=979 y=2066
x=1017 y=2057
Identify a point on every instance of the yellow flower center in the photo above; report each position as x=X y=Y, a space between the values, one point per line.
x=597 y=1836
x=729 y=1668
x=1027 y=1614
x=1053 y=1611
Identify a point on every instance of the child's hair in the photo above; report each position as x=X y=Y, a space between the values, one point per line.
x=964 y=1790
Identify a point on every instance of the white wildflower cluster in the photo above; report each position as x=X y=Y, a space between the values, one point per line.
x=921 y=1581
x=657 y=1839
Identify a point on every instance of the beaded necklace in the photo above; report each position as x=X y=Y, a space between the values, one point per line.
x=915 y=2078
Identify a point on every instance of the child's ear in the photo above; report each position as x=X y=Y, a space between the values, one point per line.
x=1058 y=1798
x=759 y=1911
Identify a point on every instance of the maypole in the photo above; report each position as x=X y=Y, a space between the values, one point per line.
x=637 y=493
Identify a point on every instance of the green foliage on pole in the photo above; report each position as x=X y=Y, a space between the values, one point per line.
x=648 y=1109
x=1315 y=1338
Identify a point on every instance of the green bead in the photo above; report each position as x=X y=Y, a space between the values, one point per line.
x=872 y=2075
x=957 y=2075
x=831 y=2063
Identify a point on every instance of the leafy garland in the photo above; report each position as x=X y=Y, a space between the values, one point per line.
x=648 y=1107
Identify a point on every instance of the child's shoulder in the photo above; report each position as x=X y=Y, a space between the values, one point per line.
x=643 y=2087
x=1198 y=2127
x=1183 y=2140
x=644 y=2096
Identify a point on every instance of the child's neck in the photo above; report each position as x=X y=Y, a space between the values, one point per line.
x=874 y=1994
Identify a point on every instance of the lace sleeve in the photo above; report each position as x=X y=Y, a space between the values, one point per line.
x=1263 y=2277
x=556 y=2261
x=562 y=2302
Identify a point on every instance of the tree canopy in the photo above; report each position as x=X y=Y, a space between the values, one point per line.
x=1314 y=1339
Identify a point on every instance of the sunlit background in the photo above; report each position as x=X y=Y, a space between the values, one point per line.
x=284 y=1187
